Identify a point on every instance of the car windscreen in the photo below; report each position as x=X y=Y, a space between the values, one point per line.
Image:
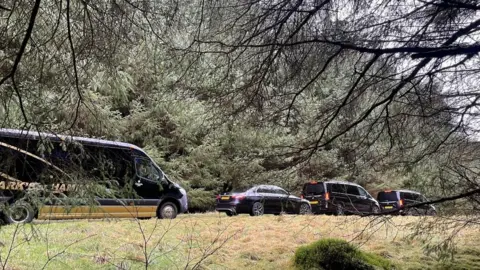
x=387 y=196
x=314 y=189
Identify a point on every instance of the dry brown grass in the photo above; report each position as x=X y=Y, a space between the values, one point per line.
x=244 y=242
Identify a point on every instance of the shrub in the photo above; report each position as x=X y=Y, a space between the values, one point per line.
x=376 y=260
x=337 y=254
x=200 y=200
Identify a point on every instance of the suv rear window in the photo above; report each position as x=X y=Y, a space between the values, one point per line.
x=387 y=196
x=314 y=189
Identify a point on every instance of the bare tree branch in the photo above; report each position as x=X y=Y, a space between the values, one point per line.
x=74 y=63
x=4 y=8
x=20 y=53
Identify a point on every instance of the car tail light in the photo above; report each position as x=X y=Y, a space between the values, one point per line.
x=400 y=202
x=327 y=196
x=218 y=197
x=239 y=196
x=302 y=197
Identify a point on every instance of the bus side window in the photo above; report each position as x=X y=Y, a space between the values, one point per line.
x=146 y=170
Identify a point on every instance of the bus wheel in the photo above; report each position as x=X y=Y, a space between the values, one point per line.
x=19 y=212
x=168 y=210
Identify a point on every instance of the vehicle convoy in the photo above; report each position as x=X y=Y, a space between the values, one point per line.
x=259 y=200
x=49 y=176
x=338 y=197
x=398 y=201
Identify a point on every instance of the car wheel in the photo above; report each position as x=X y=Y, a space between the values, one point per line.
x=257 y=209
x=168 y=210
x=375 y=209
x=304 y=209
x=230 y=213
x=19 y=212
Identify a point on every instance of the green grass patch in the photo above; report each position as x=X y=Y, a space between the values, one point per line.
x=266 y=242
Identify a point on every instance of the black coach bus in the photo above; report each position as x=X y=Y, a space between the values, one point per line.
x=49 y=176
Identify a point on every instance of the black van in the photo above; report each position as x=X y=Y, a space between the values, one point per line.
x=391 y=200
x=51 y=176
x=339 y=198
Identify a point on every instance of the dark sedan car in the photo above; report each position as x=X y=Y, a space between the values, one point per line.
x=259 y=200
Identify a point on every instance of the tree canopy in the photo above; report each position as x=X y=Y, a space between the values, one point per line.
x=225 y=95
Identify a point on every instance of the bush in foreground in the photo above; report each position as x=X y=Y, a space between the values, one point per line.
x=337 y=254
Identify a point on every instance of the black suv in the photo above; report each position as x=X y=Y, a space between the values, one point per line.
x=339 y=198
x=391 y=200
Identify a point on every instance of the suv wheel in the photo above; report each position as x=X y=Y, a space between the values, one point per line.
x=375 y=209
x=257 y=209
x=19 y=212
x=411 y=212
x=339 y=210
x=168 y=210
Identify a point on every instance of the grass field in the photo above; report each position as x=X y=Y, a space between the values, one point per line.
x=215 y=241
